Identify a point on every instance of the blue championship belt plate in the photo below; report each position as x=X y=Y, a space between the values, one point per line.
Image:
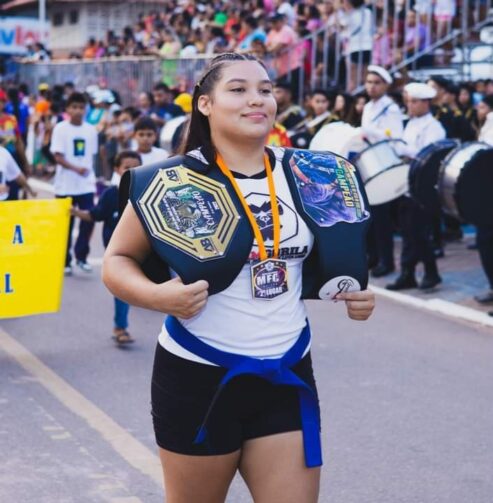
x=190 y=212
x=328 y=188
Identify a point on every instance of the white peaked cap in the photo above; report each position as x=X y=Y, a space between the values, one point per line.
x=420 y=91
x=381 y=72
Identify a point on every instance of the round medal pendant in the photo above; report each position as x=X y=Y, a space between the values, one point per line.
x=269 y=279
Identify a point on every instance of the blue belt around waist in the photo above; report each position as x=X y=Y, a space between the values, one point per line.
x=277 y=371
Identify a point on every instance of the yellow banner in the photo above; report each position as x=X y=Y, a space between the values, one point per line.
x=33 y=242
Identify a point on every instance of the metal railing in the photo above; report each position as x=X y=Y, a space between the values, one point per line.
x=403 y=39
x=128 y=76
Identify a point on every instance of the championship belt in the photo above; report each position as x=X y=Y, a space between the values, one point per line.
x=190 y=212
x=198 y=227
x=330 y=196
x=192 y=217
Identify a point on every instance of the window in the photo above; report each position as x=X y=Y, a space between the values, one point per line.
x=74 y=17
x=57 y=18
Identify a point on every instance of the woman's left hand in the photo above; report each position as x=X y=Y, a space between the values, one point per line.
x=359 y=305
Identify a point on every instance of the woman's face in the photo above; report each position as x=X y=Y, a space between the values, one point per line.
x=482 y=110
x=464 y=97
x=242 y=104
x=319 y=104
x=339 y=104
x=360 y=104
x=144 y=101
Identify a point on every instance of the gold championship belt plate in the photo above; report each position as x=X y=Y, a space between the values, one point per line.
x=190 y=212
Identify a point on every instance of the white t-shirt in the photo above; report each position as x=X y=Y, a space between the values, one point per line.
x=446 y=8
x=156 y=154
x=421 y=132
x=79 y=145
x=379 y=116
x=288 y=10
x=358 y=30
x=232 y=320
x=8 y=170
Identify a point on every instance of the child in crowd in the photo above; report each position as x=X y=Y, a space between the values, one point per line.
x=74 y=145
x=145 y=135
x=10 y=172
x=107 y=211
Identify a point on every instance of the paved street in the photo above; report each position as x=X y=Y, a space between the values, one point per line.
x=406 y=403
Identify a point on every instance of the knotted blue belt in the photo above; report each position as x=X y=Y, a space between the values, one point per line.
x=277 y=371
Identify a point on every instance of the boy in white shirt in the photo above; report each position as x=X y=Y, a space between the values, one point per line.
x=74 y=145
x=145 y=135
x=9 y=172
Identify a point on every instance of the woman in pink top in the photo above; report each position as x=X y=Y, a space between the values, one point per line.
x=282 y=43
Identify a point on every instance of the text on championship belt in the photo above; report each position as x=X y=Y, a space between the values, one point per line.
x=190 y=212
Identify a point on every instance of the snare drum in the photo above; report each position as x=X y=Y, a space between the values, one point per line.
x=334 y=137
x=465 y=183
x=383 y=172
x=423 y=175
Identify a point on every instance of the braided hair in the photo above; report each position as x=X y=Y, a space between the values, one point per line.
x=198 y=133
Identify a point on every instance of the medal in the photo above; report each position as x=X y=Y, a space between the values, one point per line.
x=269 y=276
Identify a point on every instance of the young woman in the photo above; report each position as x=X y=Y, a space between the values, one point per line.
x=356 y=111
x=253 y=425
x=342 y=107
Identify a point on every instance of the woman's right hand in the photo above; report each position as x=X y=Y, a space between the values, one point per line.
x=182 y=301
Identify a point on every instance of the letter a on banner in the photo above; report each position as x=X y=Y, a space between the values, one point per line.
x=33 y=243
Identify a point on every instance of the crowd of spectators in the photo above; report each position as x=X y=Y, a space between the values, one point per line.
x=384 y=32
x=27 y=119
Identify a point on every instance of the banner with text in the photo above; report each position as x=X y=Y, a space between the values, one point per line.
x=33 y=243
x=17 y=32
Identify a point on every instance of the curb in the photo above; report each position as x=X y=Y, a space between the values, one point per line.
x=445 y=307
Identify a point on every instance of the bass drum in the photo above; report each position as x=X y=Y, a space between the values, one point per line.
x=335 y=137
x=465 y=183
x=383 y=172
x=423 y=175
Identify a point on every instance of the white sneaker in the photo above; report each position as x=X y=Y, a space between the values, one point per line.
x=84 y=266
x=67 y=271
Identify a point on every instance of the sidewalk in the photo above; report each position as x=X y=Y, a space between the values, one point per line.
x=461 y=272
x=460 y=269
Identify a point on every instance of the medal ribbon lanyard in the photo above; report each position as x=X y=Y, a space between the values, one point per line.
x=273 y=203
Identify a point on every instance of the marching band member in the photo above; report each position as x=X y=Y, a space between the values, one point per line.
x=421 y=130
x=321 y=115
x=288 y=114
x=235 y=302
x=382 y=119
x=318 y=116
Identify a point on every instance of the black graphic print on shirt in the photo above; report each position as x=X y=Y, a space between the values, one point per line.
x=263 y=216
x=261 y=208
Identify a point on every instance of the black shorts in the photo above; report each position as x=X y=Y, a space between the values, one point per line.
x=363 y=56
x=249 y=406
